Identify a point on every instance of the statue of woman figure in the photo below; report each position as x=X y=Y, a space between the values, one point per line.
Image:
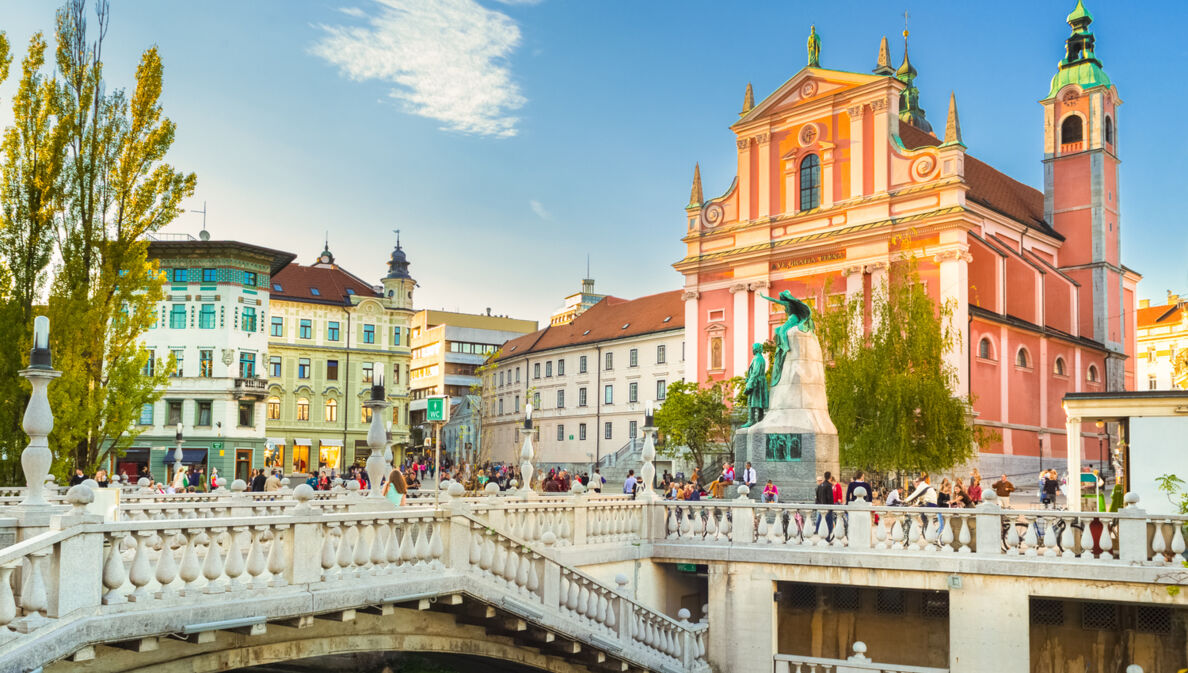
x=756 y=387
x=798 y=315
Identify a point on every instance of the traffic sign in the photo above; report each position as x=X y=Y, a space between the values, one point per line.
x=438 y=409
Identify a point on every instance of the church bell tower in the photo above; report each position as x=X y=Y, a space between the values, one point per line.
x=398 y=284
x=1081 y=187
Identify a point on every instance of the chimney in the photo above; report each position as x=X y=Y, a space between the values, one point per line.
x=1172 y=298
x=1144 y=303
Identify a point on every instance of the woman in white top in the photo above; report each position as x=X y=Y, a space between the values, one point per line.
x=179 y=483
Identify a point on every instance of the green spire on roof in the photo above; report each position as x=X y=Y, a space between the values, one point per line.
x=695 y=194
x=1080 y=64
x=909 y=99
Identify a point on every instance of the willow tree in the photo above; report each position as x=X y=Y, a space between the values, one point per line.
x=118 y=188
x=891 y=391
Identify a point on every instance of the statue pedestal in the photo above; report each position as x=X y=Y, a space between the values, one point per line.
x=796 y=441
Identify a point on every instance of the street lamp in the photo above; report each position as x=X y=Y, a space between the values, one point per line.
x=38 y=420
x=377 y=435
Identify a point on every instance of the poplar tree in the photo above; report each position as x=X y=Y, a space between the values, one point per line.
x=118 y=189
x=890 y=389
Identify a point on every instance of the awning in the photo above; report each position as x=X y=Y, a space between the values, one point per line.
x=189 y=457
x=302 y=442
x=330 y=442
x=134 y=456
x=276 y=441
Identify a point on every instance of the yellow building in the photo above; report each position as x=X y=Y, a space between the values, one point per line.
x=447 y=350
x=1162 y=351
x=331 y=336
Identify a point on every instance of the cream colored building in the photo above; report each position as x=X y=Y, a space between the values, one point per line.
x=447 y=350
x=588 y=380
x=1162 y=351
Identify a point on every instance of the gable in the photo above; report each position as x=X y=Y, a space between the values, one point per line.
x=807 y=85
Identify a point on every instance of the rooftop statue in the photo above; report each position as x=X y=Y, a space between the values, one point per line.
x=756 y=387
x=814 y=48
x=799 y=316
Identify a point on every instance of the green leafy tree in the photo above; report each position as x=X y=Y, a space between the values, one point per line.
x=698 y=420
x=890 y=389
x=84 y=169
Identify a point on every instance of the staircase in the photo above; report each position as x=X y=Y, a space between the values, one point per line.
x=614 y=466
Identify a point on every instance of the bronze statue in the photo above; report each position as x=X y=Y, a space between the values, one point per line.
x=814 y=48
x=800 y=316
x=756 y=387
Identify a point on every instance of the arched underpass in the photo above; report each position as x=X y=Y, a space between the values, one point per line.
x=393 y=662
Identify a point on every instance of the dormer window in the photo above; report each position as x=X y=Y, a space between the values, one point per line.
x=350 y=291
x=314 y=292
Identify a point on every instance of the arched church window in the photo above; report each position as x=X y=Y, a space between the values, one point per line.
x=984 y=350
x=1092 y=374
x=1109 y=130
x=810 y=182
x=1059 y=368
x=1071 y=130
x=1022 y=359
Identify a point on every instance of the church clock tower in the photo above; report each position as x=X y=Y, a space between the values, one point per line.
x=1081 y=188
x=398 y=285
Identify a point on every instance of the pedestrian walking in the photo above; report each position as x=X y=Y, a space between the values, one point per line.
x=1003 y=488
x=629 y=483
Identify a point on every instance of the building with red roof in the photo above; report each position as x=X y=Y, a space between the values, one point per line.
x=840 y=175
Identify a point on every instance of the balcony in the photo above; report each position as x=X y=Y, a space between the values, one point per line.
x=252 y=388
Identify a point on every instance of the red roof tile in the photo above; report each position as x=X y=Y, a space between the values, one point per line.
x=990 y=187
x=611 y=318
x=1153 y=315
x=297 y=283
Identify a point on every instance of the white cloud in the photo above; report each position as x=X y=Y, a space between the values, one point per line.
x=519 y=2
x=353 y=11
x=447 y=60
x=539 y=209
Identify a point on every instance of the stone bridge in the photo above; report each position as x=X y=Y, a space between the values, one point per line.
x=221 y=581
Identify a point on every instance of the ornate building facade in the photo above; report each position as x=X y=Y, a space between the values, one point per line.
x=331 y=335
x=836 y=169
x=1162 y=357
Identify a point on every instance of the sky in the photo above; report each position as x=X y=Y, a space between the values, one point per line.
x=507 y=140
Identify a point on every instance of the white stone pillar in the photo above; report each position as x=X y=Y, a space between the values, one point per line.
x=740 y=326
x=954 y=287
x=744 y=187
x=763 y=142
x=760 y=310
x=882 y=131
x=692 y=336
x=1073 y=447
x=985 y=600
x=742 y=601
x=856 y=113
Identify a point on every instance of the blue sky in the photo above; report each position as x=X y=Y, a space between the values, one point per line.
x=507 y=140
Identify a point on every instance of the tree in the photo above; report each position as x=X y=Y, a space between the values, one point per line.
x=695 y=420
x=890 y=389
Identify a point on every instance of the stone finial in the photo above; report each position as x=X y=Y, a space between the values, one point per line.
x=549 y=538
x=859 y=652
x=883 y=64
x=683 y=614
x=238 y=486
x=491 y=488
x=456 y=490
x=577 y=488
x=352 y=486
x=860 y=494
x=221 y=484
x=696 y=196
x=953 y=125
x=744 y=492
x=621 y=580
x=303 y=494
x=748 y=100
x=1134 y=668
x=1131 y=499
x=91 y=483
x=79 y=496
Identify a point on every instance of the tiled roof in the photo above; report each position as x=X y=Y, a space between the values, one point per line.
x=298 y=283
x=611 y=318
x=990 y=187
x=1153 y=315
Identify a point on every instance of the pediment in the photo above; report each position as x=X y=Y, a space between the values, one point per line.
x=804 y=86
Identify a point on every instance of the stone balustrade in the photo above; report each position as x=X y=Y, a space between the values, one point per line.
x=197 y=556
x=857 y=663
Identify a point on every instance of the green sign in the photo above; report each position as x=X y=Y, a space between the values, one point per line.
x=216 y=445
x=686 y=567
x=435 y=409
x=783 y=447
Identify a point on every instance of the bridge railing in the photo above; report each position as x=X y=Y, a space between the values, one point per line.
x=81 y=567
x=857 y=663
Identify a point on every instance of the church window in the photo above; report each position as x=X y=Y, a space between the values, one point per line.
x=1071 y=130
x=1092 y=374
x=984 y=350
x=1059 y=368
x=1022 y=359
x=715 y=353
x=1109 y=130
x=810 y=182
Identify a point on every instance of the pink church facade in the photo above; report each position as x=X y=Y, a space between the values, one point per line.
x=835 y=167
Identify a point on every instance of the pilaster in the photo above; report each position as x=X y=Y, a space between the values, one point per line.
x=981 y=602
x=761 y=330
x=739 y=326
x=763 y=142
x=692 y=335
x=954 y=287
x=857 y=150
x=743 y=603
x=744 y=184
x=882 y=132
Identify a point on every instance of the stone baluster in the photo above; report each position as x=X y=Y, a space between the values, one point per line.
x=329 y=553
x=362 y=549
x=946 y=533
x=711 y=524
x=673 y=526
x=1068 y=540
x=140 y=573
x=212 y=565
x=234 y=566
x=115 y=575
x=8 y=609
x=257 y=563
x=1158 y=542
x=166 y=566
x=1051 y=537
x=880 y=531
x=34 y=594
x=1013 y=541
x=1177 y=543
x=346 y=550
x=897 y=534
x=963 y=536
x=1030 y=537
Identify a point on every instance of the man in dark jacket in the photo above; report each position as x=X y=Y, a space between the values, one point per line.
x=825 y=497
x=857 y=482
x=258 y=481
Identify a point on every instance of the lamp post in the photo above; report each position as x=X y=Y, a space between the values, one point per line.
x=526 y=454
x=39 y=418
x=377 y=436
x=648 y=471
x=177 y=452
